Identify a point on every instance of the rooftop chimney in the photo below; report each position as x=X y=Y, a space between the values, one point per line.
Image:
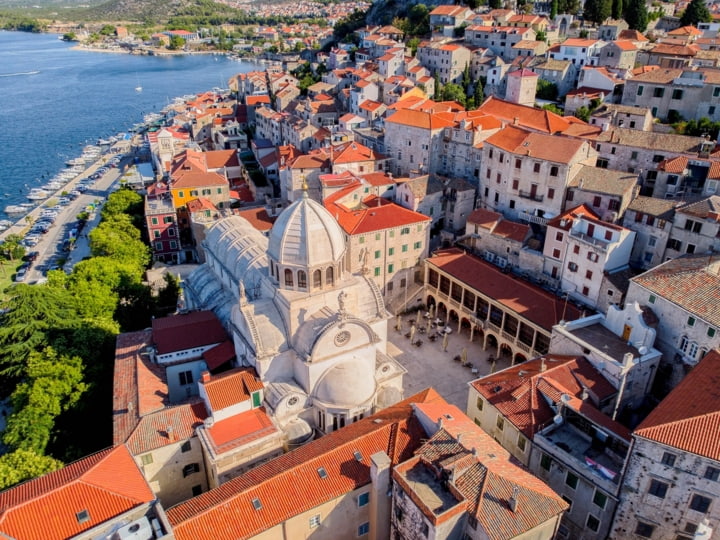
x=513 y=501
x=205 y=376
x=543 y=367
x=170 y=433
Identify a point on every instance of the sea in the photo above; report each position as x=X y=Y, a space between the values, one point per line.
x=56 y=100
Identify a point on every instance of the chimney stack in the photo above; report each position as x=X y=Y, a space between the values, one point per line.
x=513 y=501
x=205 y=376
x=543 y=367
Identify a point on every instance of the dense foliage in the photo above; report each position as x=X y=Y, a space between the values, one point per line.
x=696 y=12
x=636 y=15
x=57 y=346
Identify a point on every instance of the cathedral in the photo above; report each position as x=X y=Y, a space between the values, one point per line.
x=315 y=333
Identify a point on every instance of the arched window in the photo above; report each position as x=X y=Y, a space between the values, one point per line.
x=317 y=279
x=302 y=279
x=329 y=276
x=288 y=277
x=684 y=341
x=692 y=350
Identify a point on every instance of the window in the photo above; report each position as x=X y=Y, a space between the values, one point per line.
x=498 y=178
x=288 y=278
x=391 y=268
x=700 y=503
x=668 y=459
x=652 y=298
x=657 y=158
x=644 y=529
x=479 y=404
x=391 y=251
x=658 y=489
x=571 y=480
x=658 y=92
x=592 y=523
x=570 y=195
x=586 y=291
x=302 y=279
x=677 y=94
x=633 y=155
x=425 y=528
x=640 y=90
x=556 y=253
x=186 y=447
x=518 y=163
x=147 y=459
x=173 y=244
x=377 y=254
x=158 y=246
x=545 y=462
x=154 y=221
x=553 y=171
x=361 y=240
x=551 y=193
x=572 y=267
x=588 y=274
x=711 y=332
x=559 y=236
x=515 y=184
x=82 y=516
x=377 y=271
x=569 y=501
x=690 y=248
x=190 y=468
x=417 y=245
x=364 y=529
x=196 y=490
x=364 y=498
x=674 y=244
x=315 y=521
x=691 y=321
x=186 y=377
x=596 y=201
x=500 y=423
x=521 y=443
x=712 y=473
x=536 y=167
x=576 y=249
x=156 y=234
x=599 y=499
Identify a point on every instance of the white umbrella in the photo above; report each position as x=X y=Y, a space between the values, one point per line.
x=463 y=356
x=419 y=315
x=445 y=342
x=412 y=333
x=432 y=311
x=398 y=323
x=429 y=324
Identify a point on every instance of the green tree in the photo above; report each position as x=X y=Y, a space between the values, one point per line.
x=413 y=43
x=176 y=43
x=107 y=30
x=553 y=9
x=22 y=465
x=546 y=90
x=479 y=93
x=454 y=92
x=11 y=248
x=540 y=35
x=117 y=238
x=53 y=384
x=696 y=12
x=552 y=108
x=569 y=6
x=636 y=15
x=597 y=10
x=617 y=9
x=583 y=113
x=495 y=4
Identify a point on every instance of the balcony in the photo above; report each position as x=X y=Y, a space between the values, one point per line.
x=599 y=244
x=532 y=218
x=530 y=195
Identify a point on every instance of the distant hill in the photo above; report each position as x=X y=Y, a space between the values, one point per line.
x=136 y=10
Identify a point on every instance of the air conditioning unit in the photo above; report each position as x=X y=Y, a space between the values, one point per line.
x=502 y=262
x=489 y=256
x=137 y=530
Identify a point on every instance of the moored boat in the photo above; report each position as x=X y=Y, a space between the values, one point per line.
x=15 y=209
x=37 y=194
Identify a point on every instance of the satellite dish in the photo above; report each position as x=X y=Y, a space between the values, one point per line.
x=558 y=419
x=643 y=350
x=565 y=398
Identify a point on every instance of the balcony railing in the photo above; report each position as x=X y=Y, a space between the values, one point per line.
x=530 y=195
x=600 y=244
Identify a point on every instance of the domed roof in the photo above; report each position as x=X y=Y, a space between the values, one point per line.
x=305 y=234
x=347 y=383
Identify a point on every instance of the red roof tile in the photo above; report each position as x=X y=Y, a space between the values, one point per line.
x=419 y=119
x=538 y=145
x=525 y=299
x=240 y=429
x=231 y=387
x=186 y=331
x=689 y=417
x=166 y=426
x=290 y=484
x=104 y=485
x=376 y=214
x=218 y=355
x=258 y=218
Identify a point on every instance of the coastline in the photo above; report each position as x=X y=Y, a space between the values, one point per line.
x=146 y=52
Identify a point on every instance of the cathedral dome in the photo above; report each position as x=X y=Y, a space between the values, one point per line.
x=347 y=383
x=306 y=235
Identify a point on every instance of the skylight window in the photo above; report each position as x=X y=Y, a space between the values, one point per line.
x=257 y=505
x=358 y=455
x=322 y=472
x=83 y=516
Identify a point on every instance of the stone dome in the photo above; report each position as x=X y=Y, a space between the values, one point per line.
x=306 y=235
x=347 y=383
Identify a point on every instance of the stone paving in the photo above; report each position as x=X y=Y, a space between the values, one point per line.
x=429 y=365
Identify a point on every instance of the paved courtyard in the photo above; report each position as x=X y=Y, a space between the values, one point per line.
x=429 y=365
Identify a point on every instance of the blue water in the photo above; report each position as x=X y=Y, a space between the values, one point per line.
x=57 y=100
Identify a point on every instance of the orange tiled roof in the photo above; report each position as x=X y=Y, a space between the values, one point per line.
x=418 y=119
x=685 y=422
x=218 y=355
x=486 y=219
x=186 y=331
x=535 y=304
x=376 y=214
x=240 y=429
x=200 y=204
x=231 y=387
x=166 y=426
x=538 y=145
x=521 y=393
x=215 y=159
x=104 y=485
x=528 y=117
x=290 y=485
x=258 y=218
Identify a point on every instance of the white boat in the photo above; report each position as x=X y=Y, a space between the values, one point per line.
x=138 y=88
x=104 y=142
x=37 y=194
x=15 y=209
x=5 y=224
x=75 y=161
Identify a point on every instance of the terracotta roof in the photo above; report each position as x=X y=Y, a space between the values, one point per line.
x=521 y=142
x=625 y=45
x=200 y=204
x=684 y=421
x=691 y=282
x=231 y=387
x=418 y=119
x=185 y=331
x=104 y=485
x=486 y=219
x=633 y=35
x=353 y=152
x=521 y=393
x=660 y=208
x=579 y=42
x=707 y=208
x=194 y=179
x=290 y=485
x=528 y=117
x=375 y=214
x=218 y=355
x=511 y=230
x=167 y=426
x=485 y=475
x=605 y=181
x=258 y=218
x=527 y=300
x=240 y=429
x=215 y=159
